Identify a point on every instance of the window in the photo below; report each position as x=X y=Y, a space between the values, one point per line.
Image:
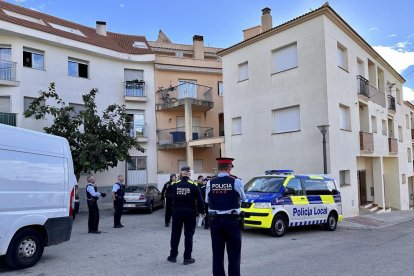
x=187 y=89
x=344 y=178
x=24 y=17
x=77 y=108
x=285 y=58
x=7 y=69
x=33 y=58
x=134 y=83
x=400 y=134
x=137 y=124
x=384 y=127
x=220 y=88
x=407 y=121
x=236 y=127
x=4 y=104
x=296 y=185
x=319 y=187
x=409 y=155
x=29 y=100
x=137 y=163
x=286 y=119
x=403 y=179
x=345 y=117
x=78 y=68
x=66 y=29
x=243 y=71
x=342 y=56
x=139 y=44
x=137 y=170
x=374 y=124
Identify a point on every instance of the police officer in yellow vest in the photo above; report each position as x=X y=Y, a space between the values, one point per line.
x=223 y=195
x=187 y=202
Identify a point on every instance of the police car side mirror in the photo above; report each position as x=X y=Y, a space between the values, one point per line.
x=289 y=191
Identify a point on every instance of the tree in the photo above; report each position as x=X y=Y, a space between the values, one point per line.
x=97 y=142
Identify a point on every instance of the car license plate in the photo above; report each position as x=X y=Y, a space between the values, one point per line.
x=129 y=205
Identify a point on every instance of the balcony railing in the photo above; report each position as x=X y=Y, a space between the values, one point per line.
x=135 y=89
x=393 y=145
x=169 y=96
x=8 y=118
x=363 y=86
x=391 y=102
x=7 y=70
x=177 y=135
x=366 y=141
x=137 y=130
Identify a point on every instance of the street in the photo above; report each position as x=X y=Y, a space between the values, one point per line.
x=142 y=247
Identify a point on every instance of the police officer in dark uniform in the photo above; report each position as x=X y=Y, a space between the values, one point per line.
x=118 y=193
x=224 y=194
x=167 y=195
x=186 y=200
x=202 y=184
x=92 y=196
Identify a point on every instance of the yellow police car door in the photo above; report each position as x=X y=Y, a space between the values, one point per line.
x=298 y=207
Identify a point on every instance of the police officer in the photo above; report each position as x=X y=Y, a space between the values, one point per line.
x=118 y=192
x=186 y=200
x=92 y=196
x=167 y=195
x=201 y=181
x=223 y=194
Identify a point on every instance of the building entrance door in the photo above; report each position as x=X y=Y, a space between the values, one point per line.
x=362 y=187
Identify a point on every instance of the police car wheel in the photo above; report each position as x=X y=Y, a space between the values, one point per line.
x=331 y=222
x=278 y=226
x=25 y=249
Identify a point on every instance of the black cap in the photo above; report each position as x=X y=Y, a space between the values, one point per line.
x=185 y=169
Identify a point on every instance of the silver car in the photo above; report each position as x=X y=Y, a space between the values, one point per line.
x=142 y=197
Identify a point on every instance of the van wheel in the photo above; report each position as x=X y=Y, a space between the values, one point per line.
x=279 y=226
x=331 y=223
x=25 y=249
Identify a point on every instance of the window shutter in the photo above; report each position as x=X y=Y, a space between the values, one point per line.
x=130 y=75
x=286 y=119
x=285 y=58
x=5 y=104
x=243 y=71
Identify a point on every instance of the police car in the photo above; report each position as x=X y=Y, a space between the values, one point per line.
x=281 y=199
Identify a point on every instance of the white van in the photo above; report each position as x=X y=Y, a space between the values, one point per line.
x=36 y=194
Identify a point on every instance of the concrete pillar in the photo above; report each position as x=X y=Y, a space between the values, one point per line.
x=222 y=149
x=188 y=119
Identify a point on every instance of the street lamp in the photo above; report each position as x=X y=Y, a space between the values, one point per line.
x=324 y=129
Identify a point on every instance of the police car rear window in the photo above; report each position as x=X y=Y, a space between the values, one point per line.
x=265 y=184
x=319 y=187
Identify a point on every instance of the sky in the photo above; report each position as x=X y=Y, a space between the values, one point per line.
x=386 y=25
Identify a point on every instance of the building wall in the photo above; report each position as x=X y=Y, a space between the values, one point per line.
x=168 y=159
x=106 y=72
x=257 y=148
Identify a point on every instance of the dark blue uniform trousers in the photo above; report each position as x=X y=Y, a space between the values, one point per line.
x=93 y=219
x=226 y=232
x=187 y=218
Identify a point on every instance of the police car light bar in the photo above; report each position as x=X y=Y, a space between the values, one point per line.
x=283 y=172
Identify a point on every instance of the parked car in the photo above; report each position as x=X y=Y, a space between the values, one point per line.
x=36 y=194
x=142 y=197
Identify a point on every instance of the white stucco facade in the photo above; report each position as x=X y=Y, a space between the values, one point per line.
x=321 y=91
x=105 y=72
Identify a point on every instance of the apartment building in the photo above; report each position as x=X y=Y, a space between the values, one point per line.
x=189 y=105
x=285 y=85
x=37 y=49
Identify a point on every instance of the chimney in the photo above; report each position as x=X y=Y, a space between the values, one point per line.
x=266 y=20
x=101 y=28
x=198 y=47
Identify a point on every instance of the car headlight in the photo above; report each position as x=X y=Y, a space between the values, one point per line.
x=263 y=205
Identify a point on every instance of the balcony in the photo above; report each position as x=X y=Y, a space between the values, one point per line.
x=175 y=137
x=8 y=73
x=393 y=145
x=391 y=104
x=8 y=118
x=138 y=131
x=366 y=142
x=135 y=91
x=363 y=88
x=174 y=97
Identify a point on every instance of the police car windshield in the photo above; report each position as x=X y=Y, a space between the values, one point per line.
x=264 y=184
x=134 y=189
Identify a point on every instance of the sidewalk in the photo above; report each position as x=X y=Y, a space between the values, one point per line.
x=377 y=221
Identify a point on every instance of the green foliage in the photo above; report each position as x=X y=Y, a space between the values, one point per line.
x=97 y=142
